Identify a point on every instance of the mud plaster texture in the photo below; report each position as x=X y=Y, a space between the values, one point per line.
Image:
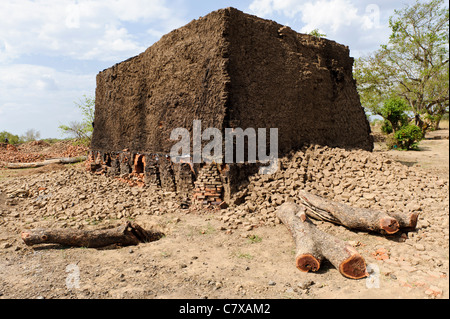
x=231 y=70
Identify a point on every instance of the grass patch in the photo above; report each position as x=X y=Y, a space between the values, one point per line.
x=254 y=239
x=209 y=230
x=242 y=255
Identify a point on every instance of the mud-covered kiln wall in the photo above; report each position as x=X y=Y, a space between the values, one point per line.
x=179 y=79
x=297 y=83
x=231 y=69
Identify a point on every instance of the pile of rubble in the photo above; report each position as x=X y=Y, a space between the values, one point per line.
x=356 y=178
x=39 y=151
x=76 y=199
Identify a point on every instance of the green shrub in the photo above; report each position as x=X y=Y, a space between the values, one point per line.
x=12 y=139
x=386 y=128
x=393 y=112
x=408 y=137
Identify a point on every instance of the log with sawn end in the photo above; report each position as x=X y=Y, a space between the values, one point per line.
x=314 y=245
x=353 y=218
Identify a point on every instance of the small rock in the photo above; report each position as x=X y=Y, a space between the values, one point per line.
x=289 y=290
x=419 y=247
x=369 y=196
x=409 y=268
x=248 y=228
x=5 y=245
x=305 y=284
x=272 y=283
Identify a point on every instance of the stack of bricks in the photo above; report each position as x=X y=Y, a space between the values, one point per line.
x=208 y=186
x=166 y=174
x=184 y=178
x=152 y=170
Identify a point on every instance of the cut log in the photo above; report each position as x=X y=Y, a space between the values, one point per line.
x=129 y=234
x=314 y=245
x=406 y=221
x=353 y=218
x=308 y=256
x=47 y=162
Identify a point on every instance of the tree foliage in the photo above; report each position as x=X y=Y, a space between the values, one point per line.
x=82 y=131
x=408 y=137
x=316 y=33
x=414 y=65
x=393 y=112
x=12 y=139
x=30 y=136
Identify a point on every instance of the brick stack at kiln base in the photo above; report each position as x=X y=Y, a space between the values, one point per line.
x=208 y=187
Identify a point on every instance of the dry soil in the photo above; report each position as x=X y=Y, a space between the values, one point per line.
x=239 y=252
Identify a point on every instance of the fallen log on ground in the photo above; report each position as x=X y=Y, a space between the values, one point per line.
x=313 y=245
x=353 y=218
x=129 y=234
x=406 y=221
x=70 y=160
x=308 y=256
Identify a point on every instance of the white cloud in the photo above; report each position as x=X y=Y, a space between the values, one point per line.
x=40 y=97
x=362 y=25
x=69 y=34
x=80 y=29
x=331 y=14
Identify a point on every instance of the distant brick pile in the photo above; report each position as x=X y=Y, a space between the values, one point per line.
x=38 y=151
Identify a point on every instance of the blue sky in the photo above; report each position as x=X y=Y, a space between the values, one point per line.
x=52 y=50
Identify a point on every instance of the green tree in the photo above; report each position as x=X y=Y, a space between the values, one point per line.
x=394 y=114
x=413 y=65
x=12 y=139
x=30 y=136
x=373 y=82
x=82 y=131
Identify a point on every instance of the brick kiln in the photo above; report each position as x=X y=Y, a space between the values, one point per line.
x=229 y=70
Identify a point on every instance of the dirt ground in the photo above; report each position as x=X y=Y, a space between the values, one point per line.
x=212 y=254
x=432 y=155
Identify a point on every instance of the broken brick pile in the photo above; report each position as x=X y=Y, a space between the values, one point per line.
x=208 y=187
x=38 y=151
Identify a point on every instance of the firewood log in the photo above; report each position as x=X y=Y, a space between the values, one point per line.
x=71 y=160
x=314 y=245
x=129 y=234
x=308 y=256
x=353 y=218
x=406 y=221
